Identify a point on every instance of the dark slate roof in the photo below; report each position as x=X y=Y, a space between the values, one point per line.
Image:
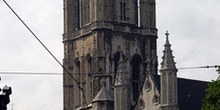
x=190 y=92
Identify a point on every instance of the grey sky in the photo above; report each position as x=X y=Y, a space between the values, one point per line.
x=194 y=27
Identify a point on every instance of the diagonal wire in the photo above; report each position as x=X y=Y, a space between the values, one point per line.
x=47 y=50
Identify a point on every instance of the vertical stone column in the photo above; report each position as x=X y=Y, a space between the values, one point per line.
x=68 y=82
x=71 y=23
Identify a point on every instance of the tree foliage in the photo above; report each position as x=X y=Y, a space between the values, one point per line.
x=212 y=98
x=218 y=70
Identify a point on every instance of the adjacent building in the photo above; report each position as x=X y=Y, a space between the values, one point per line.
x=4 y=97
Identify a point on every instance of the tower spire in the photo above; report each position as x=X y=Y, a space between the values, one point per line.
x=122 y=87
x=167 y=59
x=103 y=100
x=121 y=78
x=103 y=94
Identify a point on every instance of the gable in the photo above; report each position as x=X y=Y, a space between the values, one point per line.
x=149 y=97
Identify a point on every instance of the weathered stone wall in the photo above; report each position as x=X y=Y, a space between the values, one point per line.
x=150 y=96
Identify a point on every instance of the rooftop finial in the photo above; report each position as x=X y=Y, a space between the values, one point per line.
x=167 y=38
x=167 y=34
x=103 y=82
x=121 y=57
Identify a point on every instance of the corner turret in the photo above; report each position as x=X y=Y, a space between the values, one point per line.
x=169 y=94
x=122 y=87
x=103 y=100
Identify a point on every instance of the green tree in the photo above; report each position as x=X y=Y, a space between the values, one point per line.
x=212 y=98
x=218 y=70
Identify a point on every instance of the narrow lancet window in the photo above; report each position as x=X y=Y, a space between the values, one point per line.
x=79 y=80
x=136 y=66
x=116 y=59
x=123 y=10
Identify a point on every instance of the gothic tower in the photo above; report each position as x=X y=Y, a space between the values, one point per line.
x=169 y=94
x=95 y=33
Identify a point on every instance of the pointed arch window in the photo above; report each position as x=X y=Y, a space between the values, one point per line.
x=123 y=10
x=90 y=64
x=78 y=72
x=147 y=85
x=136 y=69
x=156 y=99
x=116 y=59
x=90 y=83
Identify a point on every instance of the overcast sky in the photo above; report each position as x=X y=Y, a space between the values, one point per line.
x=194 y=27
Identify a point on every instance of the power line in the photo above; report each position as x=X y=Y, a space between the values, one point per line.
x=28 y=73
x=37 y=73
x=53 y=73
x=47 y=50
x=216 y=66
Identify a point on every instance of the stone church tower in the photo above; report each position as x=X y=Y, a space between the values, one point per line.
x=100 y=36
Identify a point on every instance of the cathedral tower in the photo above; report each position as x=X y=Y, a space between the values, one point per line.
x=95 y=33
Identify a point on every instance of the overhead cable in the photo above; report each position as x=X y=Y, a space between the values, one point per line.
x=215 y=66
